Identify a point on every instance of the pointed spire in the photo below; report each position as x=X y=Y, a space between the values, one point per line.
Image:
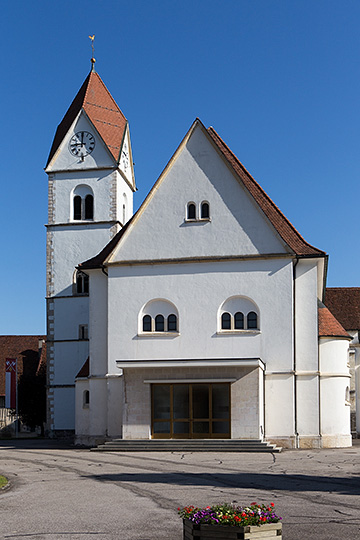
x=92 y=58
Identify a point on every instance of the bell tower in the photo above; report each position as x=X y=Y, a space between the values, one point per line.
x=90 y=197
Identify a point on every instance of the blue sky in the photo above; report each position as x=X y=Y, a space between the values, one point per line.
x=278 y=80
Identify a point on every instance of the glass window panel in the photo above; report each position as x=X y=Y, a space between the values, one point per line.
x=181 y=427
x=226 y=321
x=161 y=401
x=201 y=427
x=239 y=320
x=191 y=211
x=86 y=284
x=77 y=207
x=146 y=323
x=252 y=320
x=89 y=207
x=220 y=400
x=181 y=401
x=200 y=400
x=205 y=210
x=172 y=323
x=159 y=323
x=161 y=427
x=221 y=427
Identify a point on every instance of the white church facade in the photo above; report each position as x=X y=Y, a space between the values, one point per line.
x=200 y=316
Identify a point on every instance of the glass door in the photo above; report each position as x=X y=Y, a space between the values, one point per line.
x=190 y=411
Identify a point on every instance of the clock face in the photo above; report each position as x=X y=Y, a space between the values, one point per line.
x=125 y=156
x=81 y=144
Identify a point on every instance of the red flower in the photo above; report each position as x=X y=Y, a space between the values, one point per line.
x=272 y=504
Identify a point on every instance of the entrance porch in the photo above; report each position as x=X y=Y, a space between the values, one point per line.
x=196 y=399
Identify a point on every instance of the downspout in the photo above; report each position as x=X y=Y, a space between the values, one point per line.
x=294 y=354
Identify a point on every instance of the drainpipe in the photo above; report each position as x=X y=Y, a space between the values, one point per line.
x=294 y=354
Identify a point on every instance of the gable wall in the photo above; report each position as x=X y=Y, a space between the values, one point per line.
x=99 y=157
x=198 y=173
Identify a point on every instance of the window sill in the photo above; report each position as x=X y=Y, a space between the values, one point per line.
x=199 y=220
x=158 y=334
x=233 y=331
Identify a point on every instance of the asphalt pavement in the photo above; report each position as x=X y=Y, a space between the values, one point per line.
x=58 y=491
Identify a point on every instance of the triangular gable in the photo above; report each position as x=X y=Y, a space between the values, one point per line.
x=280 y=232
x=102 y=110
x=65 y=160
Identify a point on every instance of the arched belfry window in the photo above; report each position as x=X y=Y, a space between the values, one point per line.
x=159 y=317
x=77 y=207
x=83 y=203
x=81 y=283
x=89 y=207
x=238 y=314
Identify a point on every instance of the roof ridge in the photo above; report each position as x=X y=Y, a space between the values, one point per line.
x=312 y=250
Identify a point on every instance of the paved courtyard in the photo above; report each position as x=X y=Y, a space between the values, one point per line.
x=60 y=492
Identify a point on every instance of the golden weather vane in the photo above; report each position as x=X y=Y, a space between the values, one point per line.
x=92 y=47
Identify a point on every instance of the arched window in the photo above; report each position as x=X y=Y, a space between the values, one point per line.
x=238 y=314
x=159 y=323
x=83 y=203
x=226 y=321
x=252 y=320
x=89 y=207
x=77 y=207
x=82 y=283
x=239 y=321
x=158 y=316
x=146 y=323
x=191 y=211
x=86 y=398
x=172 y=323
x=205 y=210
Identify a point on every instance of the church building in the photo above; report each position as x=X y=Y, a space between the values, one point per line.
x=201 y=316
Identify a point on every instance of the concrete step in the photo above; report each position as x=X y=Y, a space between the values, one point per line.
x=186 y=445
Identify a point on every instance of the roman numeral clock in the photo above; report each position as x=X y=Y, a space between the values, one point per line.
x=81 y=144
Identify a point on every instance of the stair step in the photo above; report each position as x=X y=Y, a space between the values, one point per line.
x=186 y=445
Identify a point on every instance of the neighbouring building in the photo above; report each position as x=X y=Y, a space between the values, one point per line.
x=201 y=316
x=30 y=355
x=344 y=303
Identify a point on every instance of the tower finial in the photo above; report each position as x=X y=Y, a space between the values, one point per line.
x=92 y=58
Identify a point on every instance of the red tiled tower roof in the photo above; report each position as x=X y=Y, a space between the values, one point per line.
x=344 y=303
x=329 y=326
x=99 y=105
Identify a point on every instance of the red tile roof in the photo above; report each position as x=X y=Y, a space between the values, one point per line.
x=95 y=99
x=329 y=326
x=281 y=224
x=30 y=352
x=344 y=303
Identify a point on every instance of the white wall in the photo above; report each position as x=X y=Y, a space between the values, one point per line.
x=197 y=291
x=334 y=379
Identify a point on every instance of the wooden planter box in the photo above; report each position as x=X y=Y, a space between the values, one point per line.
x=268 y=531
